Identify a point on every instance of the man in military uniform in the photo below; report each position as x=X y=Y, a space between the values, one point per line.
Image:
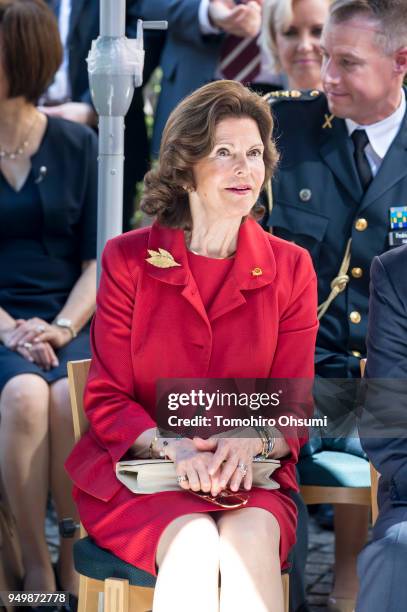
x=342 y=182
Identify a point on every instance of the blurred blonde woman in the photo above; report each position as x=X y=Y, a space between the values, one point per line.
x=290 y=37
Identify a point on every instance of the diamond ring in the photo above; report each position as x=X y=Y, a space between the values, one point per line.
x=181 y=479
x=243 y=467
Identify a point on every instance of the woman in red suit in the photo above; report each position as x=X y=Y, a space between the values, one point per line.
x=222 y=299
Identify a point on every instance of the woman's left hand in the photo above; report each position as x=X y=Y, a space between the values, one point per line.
x=235 y=458
x=37 y=330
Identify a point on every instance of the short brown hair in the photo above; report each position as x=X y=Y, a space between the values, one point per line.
x=391 y=15
x=189 y=136
x=30 y=45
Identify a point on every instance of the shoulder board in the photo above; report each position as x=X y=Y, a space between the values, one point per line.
x=292 y=94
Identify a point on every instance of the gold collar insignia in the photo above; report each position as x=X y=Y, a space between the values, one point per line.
x=328 y=122
x=161 y=259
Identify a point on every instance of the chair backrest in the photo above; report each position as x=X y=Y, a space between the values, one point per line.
x=77 y=376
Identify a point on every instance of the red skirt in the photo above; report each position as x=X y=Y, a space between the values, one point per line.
x=130 y=525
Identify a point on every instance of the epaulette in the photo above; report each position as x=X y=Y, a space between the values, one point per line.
x=292 y=94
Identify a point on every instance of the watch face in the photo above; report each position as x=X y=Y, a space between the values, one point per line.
x=64 y=322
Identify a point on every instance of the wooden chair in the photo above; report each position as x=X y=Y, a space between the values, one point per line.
x=366 y=496
x=100 y=584
x=110 y=594
x=336 y=493
x=340 y=470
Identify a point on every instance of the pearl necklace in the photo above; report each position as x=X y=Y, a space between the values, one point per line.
x=22 y=148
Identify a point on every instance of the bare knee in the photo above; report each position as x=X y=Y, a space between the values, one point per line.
x=193 y=536
x=60 y=404
x=24 y=402
x=247 y=525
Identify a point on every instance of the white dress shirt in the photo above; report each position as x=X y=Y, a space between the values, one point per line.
x=60 y=89
x=206 y=27
x=380 y=134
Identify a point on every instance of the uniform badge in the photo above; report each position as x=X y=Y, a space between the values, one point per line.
x=398 y=217
x=398 y=225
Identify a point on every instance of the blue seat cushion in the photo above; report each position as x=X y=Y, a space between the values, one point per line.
x=98 y=563
x=334 y=469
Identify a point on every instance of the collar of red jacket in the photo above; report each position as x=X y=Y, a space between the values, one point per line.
x=254 y=264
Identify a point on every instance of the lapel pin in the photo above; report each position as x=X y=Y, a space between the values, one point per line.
x=161 y=259
x=328 y=121
x=42 y=173
x=257 y=272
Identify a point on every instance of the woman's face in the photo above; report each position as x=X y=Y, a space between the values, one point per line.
x=229 y=179
x=298 y=45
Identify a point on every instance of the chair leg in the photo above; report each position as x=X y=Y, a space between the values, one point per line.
x=116 y=595
x=141 y=599
x=89 y=590
x=82 y=594
x=286 y=590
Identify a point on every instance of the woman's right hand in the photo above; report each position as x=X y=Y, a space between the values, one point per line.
x=40 y=353
x=7 y=334
x=193 y=464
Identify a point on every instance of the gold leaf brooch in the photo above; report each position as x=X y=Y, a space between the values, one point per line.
x=161 y=259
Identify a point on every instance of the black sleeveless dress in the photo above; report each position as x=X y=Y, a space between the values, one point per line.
x=32 y=282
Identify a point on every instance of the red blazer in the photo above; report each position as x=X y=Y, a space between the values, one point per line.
x=150 y=323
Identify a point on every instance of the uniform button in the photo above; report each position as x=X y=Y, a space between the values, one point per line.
x=356 y=354
x=305 y=195
x=355 y=316
x=357 y=272
x=361 y=225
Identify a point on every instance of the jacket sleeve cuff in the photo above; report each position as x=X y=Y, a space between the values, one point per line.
x=122 y=445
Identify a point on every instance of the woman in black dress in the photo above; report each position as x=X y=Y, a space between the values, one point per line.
x=48 y=190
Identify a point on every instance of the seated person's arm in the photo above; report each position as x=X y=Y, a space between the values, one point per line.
x=387 y=359
x=81 y=301
x=294 y=357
